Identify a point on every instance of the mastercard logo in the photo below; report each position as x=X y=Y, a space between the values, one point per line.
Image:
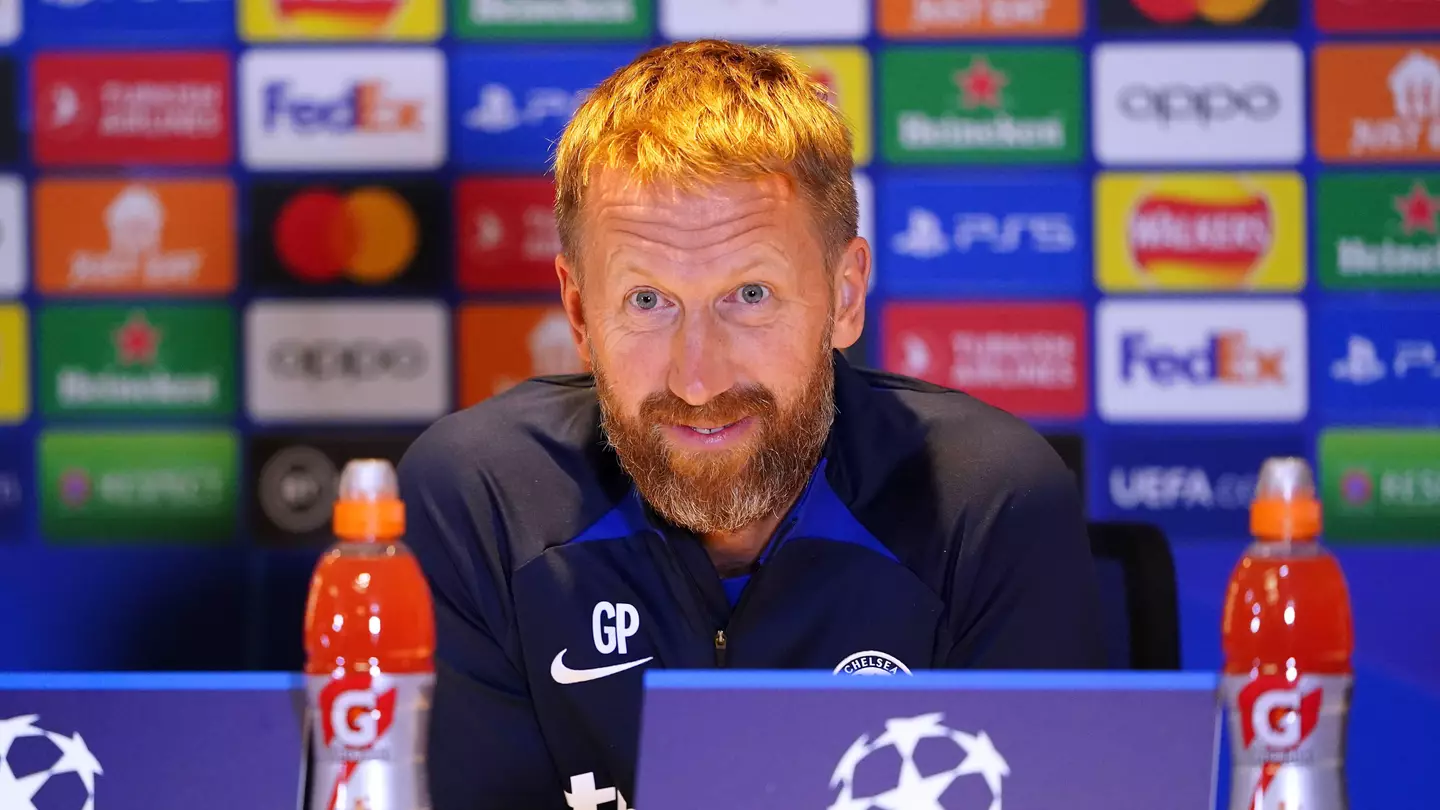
x=1213 y=234
x=1215 y=11
x=368 y=235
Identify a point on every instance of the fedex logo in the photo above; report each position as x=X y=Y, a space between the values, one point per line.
x=1201 y=361
x=364 y=107
x=1225 y=357
x=372 y=109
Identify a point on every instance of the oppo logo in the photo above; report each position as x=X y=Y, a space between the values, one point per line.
x=1205 y=104
x=356 y=360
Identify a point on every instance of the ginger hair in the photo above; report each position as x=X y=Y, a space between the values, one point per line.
x=690 y=113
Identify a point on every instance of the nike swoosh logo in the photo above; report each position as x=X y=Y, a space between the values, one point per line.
x=565 y=675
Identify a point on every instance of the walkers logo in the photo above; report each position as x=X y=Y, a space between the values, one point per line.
x=845 y=72
x=1378 y=360
x=1380 y=484
x=1408 y=16
x=553 y=19
x=1203 y=361
x=768 y=20
x=513 y=107
x=338 y=361
x=1199 y=103
x=107 y=109
x=14 y=364
x=138 y=485
x=272 y=20
x=9 y=110
x=1379 y=231
x=296 y=476
x=15 y=478
x=14 y=233
x=1376 y=103
x=962 y=105
x=936 y=19
x=128 y=22
x=153 y=238
x=1198 y=488
x=1169 y=15
x=508 y=239
x=984 y=234
x=389 y=235
x=1200 y=232
x=504 y=345
x=343 y=109
x=1029 y=359
x=114 y=360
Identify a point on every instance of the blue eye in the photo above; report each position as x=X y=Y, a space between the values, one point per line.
x=645 y=299
x=753 y=293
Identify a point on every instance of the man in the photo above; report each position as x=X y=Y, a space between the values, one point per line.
x=726 y=490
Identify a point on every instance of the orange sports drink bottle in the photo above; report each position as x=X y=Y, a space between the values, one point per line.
x=1287 y=637
x=369 y=645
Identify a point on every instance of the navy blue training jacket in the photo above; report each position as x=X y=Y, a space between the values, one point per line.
x=936 y=532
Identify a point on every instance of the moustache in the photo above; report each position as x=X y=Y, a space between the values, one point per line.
x=732 y=405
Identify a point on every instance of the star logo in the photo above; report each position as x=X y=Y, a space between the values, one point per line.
x=980 y=84
x=1417 y=210
x=136 y=341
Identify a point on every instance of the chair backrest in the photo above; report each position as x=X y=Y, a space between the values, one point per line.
x=1137 y=575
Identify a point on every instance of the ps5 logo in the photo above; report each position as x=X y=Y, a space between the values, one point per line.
x=924 y=236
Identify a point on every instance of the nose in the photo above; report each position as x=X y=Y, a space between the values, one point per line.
x=700 y=367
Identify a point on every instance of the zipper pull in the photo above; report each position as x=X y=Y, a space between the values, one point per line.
x=720 y=644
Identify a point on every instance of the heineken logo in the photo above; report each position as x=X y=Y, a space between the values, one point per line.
x=959 y=105
x=170 y=359
x=1379 y=231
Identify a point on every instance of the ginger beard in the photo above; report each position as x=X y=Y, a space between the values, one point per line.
x=723 y=490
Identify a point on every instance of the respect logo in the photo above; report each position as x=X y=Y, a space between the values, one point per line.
x=1380 y=484
x=1200 y=232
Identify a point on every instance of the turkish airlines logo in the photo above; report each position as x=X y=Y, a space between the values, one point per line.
x=1199 y=103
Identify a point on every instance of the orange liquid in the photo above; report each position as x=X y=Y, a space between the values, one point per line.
x=369 y=609
x=1280 y=608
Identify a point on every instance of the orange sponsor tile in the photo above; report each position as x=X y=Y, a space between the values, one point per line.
x=503 y=344
x=1377 y=103
x=936 y=19
x=134 y=237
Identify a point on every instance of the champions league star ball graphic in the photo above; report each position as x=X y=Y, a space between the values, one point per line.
x=43 y=770
x=920 y=764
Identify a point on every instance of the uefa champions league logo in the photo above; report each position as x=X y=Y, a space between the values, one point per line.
x=43 y=770
x=952 y=772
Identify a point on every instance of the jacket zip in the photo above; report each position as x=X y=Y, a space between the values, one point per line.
x=720 y=644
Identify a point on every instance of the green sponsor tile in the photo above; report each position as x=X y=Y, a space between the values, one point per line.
x=136 y=360
x=1381 y=484
x=552 y=19
x=981 y=105
x=1379 y=231
x=138 y=485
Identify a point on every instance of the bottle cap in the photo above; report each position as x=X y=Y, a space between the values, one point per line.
x=1285 y=506
x=367 y=505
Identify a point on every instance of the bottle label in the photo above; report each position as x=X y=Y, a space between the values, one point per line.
x=1287 y=741
x=368 y=739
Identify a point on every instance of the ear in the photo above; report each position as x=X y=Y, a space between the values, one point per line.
x=852 y=280
x=570 y=300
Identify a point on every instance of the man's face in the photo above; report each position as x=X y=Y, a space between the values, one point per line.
x=709 y=320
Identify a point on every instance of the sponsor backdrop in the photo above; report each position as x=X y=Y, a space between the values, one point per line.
x=242 y=241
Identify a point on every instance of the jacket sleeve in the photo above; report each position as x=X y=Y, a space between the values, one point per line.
x=1026 y=589
x=485 y=748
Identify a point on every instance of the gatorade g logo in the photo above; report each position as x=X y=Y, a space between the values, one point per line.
x=1276 y=714
x=352 y=715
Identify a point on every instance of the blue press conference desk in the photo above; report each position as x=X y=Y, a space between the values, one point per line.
x=235 y=741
